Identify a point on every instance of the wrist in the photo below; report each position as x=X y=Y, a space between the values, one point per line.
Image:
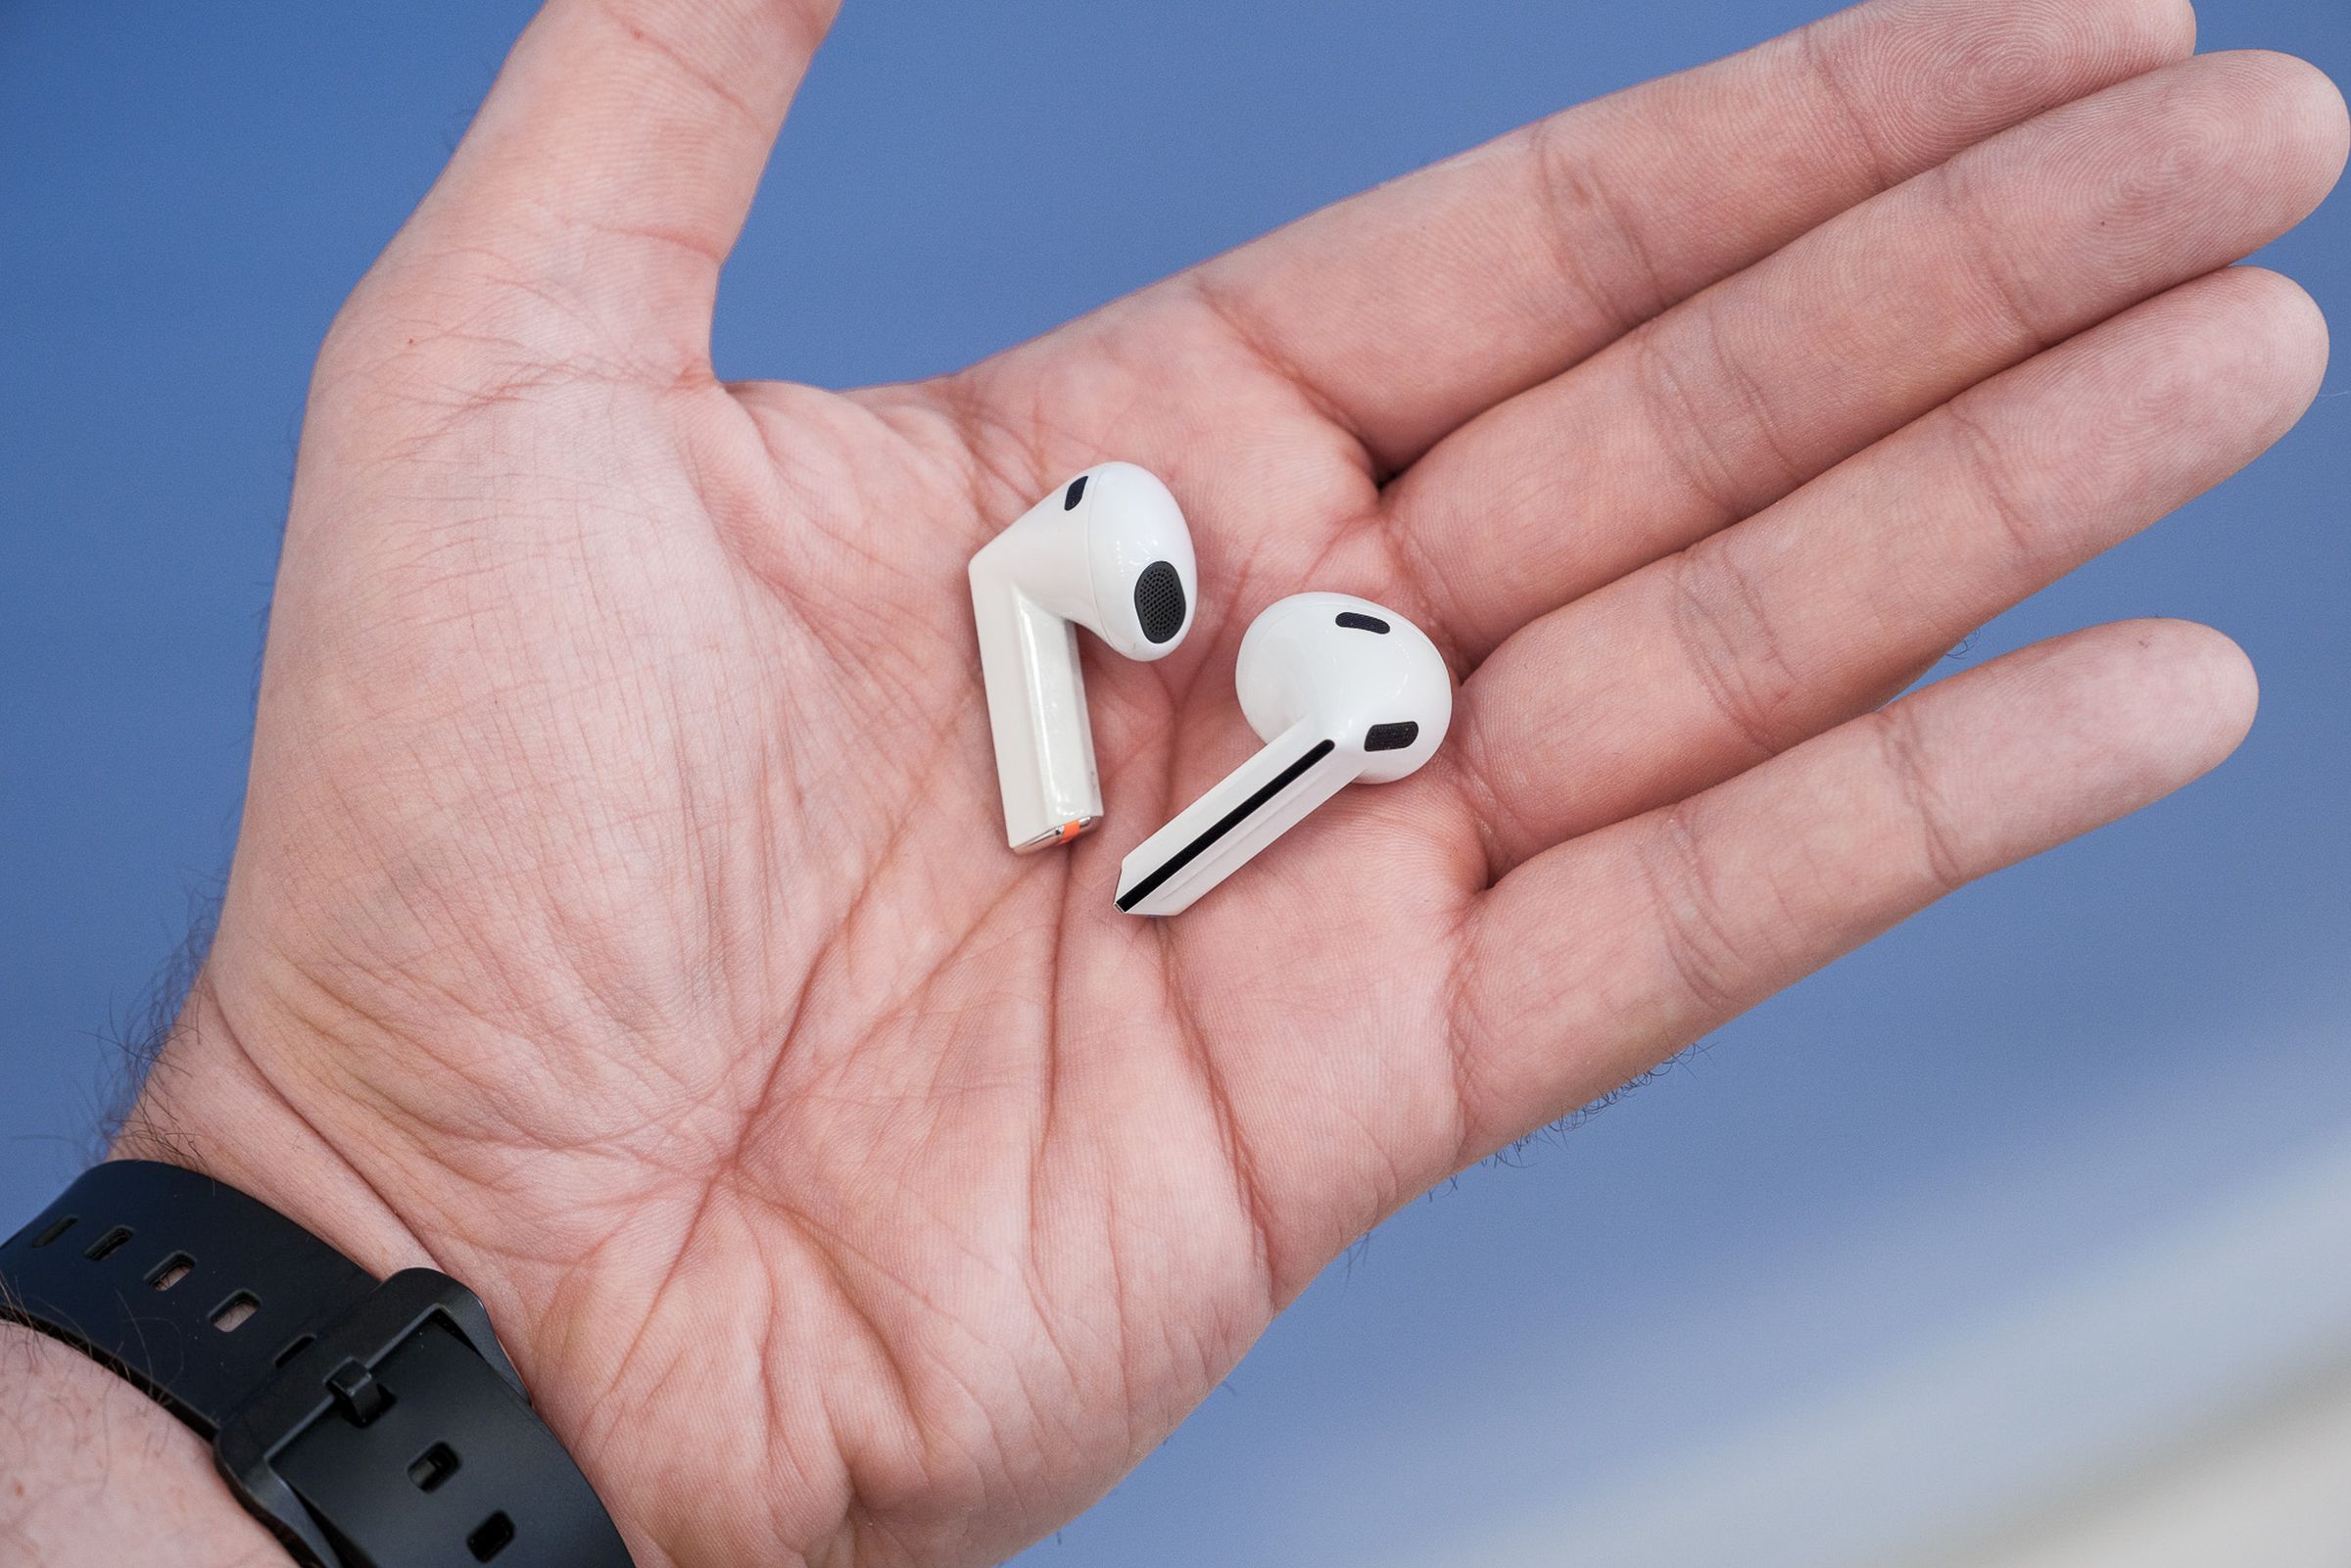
x=91 y=1470
x=245 y=1092
x=242 y=1108
x=210 y=1106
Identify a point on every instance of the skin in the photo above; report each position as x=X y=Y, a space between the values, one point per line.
x=620 y=921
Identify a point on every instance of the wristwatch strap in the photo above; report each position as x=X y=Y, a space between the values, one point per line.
x=368 y=1425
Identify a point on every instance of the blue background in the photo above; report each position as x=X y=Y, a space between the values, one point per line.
x=2046 y=1070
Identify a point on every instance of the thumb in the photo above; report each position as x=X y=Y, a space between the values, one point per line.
x=612 y=167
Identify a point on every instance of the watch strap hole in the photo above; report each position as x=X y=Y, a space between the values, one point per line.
x=230 y=1315
x=56 y=1227
x=105 y=1246
x=433 y=1466
x=170 y=1272
x=491 y=1537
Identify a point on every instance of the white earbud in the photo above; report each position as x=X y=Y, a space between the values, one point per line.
x=1340 y=691
x=1108 y=552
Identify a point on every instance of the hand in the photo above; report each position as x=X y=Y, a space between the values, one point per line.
x=621 y=919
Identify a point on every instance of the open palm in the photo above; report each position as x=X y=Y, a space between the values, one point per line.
x=621 y=917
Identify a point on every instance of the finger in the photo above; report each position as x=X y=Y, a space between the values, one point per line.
x=1406 y=311
x=1735 y=398
x=613 y=162
x=1822 y=607
x=1598 y=958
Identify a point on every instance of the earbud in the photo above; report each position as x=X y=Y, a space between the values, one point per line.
x=1340 y=691
x=1108 y=552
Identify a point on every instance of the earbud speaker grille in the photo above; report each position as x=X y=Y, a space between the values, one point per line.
x=1159 y=601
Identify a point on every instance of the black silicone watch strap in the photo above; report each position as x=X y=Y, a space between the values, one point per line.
x=368 y=1425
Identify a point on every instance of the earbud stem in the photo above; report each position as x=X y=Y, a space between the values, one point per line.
x=1044 y=743
x=1221 y=831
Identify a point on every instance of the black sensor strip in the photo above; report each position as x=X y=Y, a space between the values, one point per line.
x=1223 y=825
